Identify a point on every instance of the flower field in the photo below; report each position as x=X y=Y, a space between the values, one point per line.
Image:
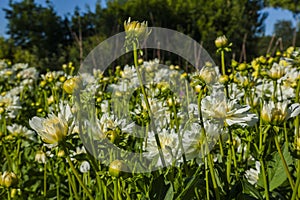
x=151 y=130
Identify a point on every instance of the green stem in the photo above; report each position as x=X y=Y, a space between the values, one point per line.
x=274 y=91
x=262 y=138
x=8 y=194
x=286 y=168
x=221 y=146
x=78 y=178
x=73 y=186
x=190 y=184
x=177 y=131
x=212 y=173
x=297 y=117
x=233 y=153
x=147 y=104
x=224 y=71
x=223 y=62
x=206 y=179
x=286 y=136
x=57 y=185
x=45 y=179
x=10 y=163
x=228 y=167
x=210 y=162
x=295 y=191
x=297 y=92
x=264 y=175
x=115 y=189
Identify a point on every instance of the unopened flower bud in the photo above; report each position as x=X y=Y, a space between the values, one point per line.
x=297 y=144
x=242 y=67
x=135 y=29
x=43 y=83
x=61 y=153
x=221 y=42
x=40 y=157
x=234 y=63
x=198 y=88
x=8 y=179
x=72 y=84
x=224 y=79
x=140 y=61
x=170 y=102
x=262 y=59
x=85 y=167
x=112 y=135
x=64 y=66
x=62 y=79
x=183 y=75
x=117 y=168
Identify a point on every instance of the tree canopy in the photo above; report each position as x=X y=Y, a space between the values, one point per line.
x=50 y=40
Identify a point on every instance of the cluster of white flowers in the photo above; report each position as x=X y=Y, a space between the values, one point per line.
x=188 y=122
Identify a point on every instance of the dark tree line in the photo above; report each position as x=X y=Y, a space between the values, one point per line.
x=39 y=36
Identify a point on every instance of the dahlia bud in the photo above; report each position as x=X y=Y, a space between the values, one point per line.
x=117 y=168
x=72 y=85
x=136 y=29
x=221 y=42
x=112 y=135
x=224 y=79
x=242 y=67
x=40 y=157
x=8 y=179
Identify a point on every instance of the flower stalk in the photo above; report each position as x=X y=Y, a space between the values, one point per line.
x=135 y=57
x=85 y=189
x=286 y=168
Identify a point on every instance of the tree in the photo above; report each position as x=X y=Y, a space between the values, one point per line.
x=6 y=50
x=293 y=6
x=38 y=30
x=283 y=29
x=202 y=20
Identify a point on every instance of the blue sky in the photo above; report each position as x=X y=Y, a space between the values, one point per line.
x=63 y=7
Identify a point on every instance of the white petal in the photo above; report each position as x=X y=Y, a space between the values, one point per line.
x=295 y=109
x=36 y=123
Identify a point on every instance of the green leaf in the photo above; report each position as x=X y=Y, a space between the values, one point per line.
x=158 y=188
x=170 y=194
x=276 y=172
x=250 y=189
x=51 y=193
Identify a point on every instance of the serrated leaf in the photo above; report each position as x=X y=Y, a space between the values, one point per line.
x=276 y=172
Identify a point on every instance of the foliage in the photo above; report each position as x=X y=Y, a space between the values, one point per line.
x=55 y=40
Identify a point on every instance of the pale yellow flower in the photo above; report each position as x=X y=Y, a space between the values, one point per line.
x=221 y=41
x=277 y=71
x=135 y=28
x=8 y=179
x=52 y=129
x=276 y=113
